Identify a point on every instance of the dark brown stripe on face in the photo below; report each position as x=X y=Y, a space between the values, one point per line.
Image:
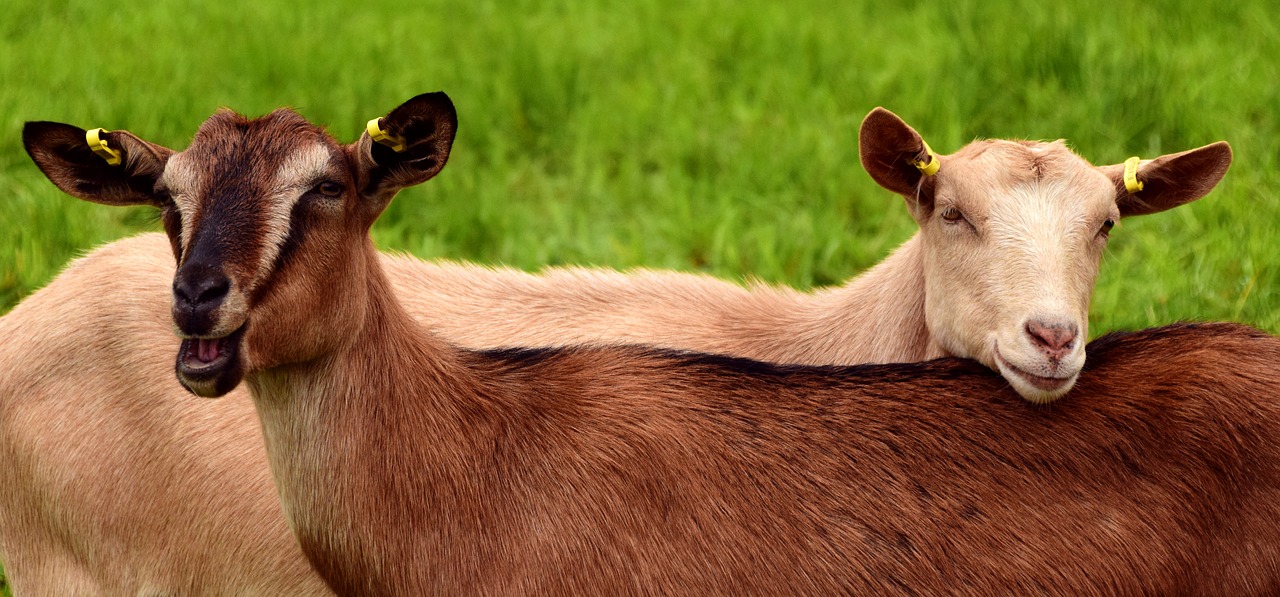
x=226 y=230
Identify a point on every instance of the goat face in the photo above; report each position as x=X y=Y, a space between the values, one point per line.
x=1012 y=244
x=1012 y=235
x=261 y=215
x=257 y=200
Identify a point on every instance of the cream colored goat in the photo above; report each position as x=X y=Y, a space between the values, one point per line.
x=409 y=466
x=51 y=527
x=1002 y=271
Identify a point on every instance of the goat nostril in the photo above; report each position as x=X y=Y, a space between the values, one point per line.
x=1058 y=337
x=213 y=289
x=184 y=290
x=201 y=288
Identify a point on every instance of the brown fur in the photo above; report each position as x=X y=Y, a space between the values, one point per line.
x=737 y=322
x=409 y=468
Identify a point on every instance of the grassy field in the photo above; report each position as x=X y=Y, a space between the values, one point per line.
x=715 y=136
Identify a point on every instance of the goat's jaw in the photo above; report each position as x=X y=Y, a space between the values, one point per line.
x=211 y=367
x=1035 y=388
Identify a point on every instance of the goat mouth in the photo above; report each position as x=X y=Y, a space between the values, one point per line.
x=210 y=366
x=1039 y=382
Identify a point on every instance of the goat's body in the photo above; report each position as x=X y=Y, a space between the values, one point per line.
x=409 y=467
x=111 y=467
x=112 y=480
x=877 y=317
x=263 y=288
x=84 y=511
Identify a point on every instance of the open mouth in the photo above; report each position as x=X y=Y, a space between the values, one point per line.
x=204 y=359
x=1046 y=384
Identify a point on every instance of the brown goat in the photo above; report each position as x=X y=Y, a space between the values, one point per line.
x=62 y=523
x=409 y=466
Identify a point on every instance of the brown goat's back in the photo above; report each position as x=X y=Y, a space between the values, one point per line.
x=1157 y=475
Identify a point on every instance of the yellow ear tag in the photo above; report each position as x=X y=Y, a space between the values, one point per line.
x=930 y=167
x=1131 y=181
x=99 y=146
x=374 y=128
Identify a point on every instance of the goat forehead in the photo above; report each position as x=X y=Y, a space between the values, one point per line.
x=240 y=179
x=1052 y=205
x=302 y=166
x=230 y=151
x=1017 y=162
x=1032 y=218
x=1027 y=176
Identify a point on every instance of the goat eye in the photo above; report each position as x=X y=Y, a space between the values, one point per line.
x=1106 y=227
x=329 y=188
x=951 y=215
x=163 y=196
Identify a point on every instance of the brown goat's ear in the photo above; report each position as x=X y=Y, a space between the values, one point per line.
x=1171 y=180
x=890 y=151
x=64 y=155
x=408 y=146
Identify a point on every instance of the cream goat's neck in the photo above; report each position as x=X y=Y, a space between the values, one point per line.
x=878 y=317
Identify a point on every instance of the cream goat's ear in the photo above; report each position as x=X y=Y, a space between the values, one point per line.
x=64 y=155
x=896 y=156
x=1171 y=180
x=406 y=147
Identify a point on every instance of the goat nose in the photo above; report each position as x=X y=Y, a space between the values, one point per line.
x=200 y=287
x=1055 y=339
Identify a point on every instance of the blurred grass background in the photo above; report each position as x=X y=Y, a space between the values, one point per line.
x=716 y=136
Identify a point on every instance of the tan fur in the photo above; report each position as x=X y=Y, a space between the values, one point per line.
x=1028 y=248
x=1011 y=234
x=115 y=484
x=472 y=306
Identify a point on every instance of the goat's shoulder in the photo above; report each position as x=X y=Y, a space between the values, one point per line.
x=73 y=328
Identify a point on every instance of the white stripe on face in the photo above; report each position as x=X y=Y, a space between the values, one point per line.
x=183 y=182
x=304 y=167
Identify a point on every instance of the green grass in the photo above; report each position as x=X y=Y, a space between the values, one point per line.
x=716 y=136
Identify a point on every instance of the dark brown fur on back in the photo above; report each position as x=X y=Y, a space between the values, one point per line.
x=632 y=470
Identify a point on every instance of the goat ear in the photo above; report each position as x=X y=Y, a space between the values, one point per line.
x=64 y=156
x=890 y=151
x=1171 y=180
x=412 y=145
